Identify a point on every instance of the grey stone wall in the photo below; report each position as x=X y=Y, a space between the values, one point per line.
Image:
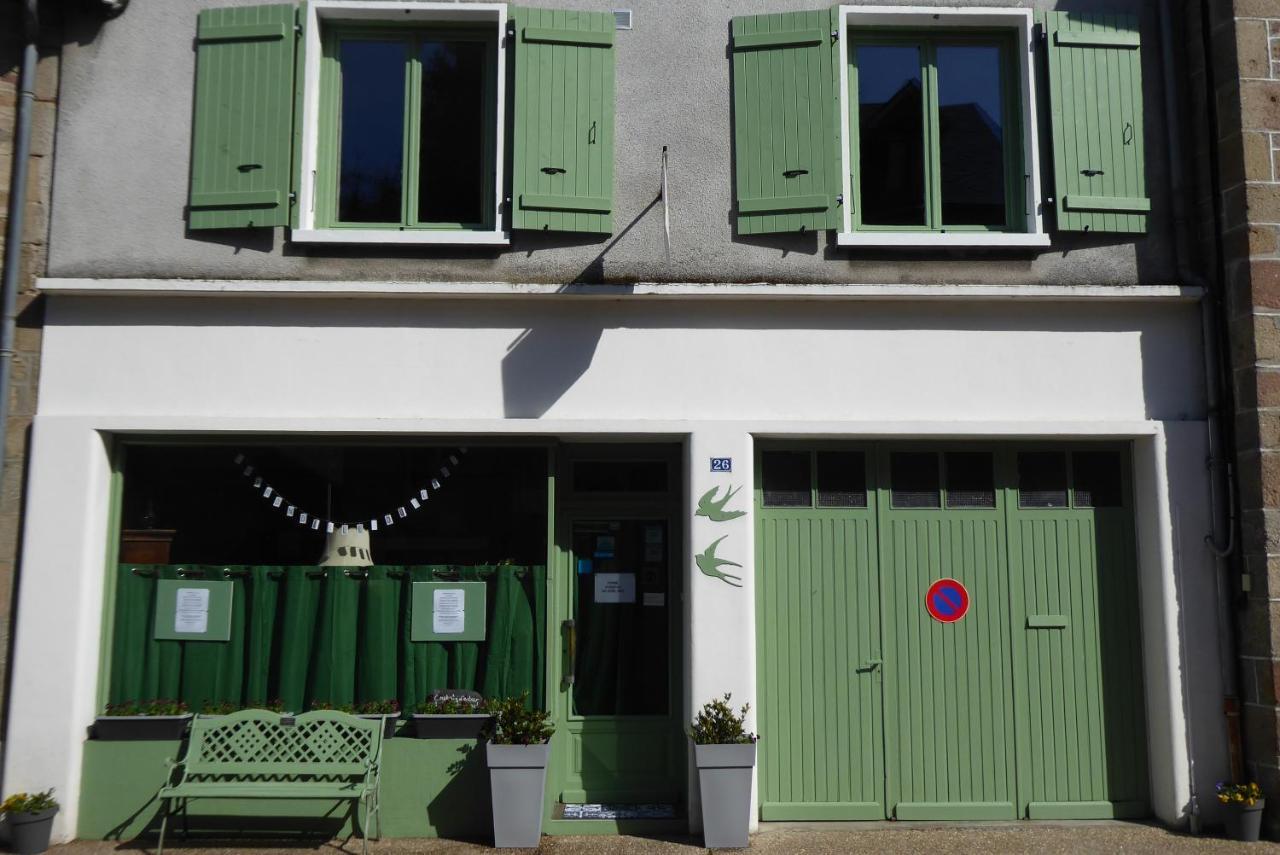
x=124 y=153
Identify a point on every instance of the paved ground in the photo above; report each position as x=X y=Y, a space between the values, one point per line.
x=780 y=838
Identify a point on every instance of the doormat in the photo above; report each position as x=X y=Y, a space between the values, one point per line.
x=619 y=811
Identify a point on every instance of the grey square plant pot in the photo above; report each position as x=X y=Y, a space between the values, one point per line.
x=517 y=780
x=724 y=778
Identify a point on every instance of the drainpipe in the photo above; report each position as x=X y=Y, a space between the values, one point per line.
x=17 y=208
x=1221 y=468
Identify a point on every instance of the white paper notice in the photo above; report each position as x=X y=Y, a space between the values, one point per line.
x=192 y=612
x=615 y=587
x=448 y=610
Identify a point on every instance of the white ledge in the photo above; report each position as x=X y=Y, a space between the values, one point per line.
x=339 y=289
x=943 y=240
x=407 y=237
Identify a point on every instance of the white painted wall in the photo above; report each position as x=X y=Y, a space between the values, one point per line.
x=719 y=374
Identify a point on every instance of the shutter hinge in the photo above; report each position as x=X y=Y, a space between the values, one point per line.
x=297 y=29
x=839 y=199
x=293 y=197
x=1039 y=34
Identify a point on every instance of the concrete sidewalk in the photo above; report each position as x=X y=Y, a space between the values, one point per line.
x=774 y=838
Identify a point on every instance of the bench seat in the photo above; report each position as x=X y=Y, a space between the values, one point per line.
x=259 y=754
x=265 y=790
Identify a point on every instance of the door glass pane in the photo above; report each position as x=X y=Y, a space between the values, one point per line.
x=842 y=479
x=970 y=480
x=890 y=135
x=620 y=476
x=370 y=171
x=454 y=156
x=1097 y=479
x=621 y=604
x=784 y=478
x=913 y=478
x=1042 y=479
x=971 y=135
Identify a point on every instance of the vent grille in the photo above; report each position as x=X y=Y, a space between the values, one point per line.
x=622 y=19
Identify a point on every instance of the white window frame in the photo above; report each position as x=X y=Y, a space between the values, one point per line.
x=322 y=12
x=936 y=18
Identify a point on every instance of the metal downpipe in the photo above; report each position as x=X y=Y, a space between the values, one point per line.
x=16 y=212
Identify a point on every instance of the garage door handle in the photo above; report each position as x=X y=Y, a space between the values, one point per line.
x=869 y=666
x=1046 y=621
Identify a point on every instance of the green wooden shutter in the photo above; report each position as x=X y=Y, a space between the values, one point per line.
x=242 y=141
x=562 y=138
x=1095 y=96
x=786 y=109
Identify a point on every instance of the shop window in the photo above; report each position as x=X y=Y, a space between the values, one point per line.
x=1042 y=479
x=1097 y=479
x=913 y=478
x=970 y=480
x=842 y=479
x=785 y=479
x=311 y=625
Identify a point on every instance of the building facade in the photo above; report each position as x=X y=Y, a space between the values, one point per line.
x=859 y=362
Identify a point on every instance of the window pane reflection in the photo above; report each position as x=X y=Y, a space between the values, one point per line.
x=453 y=152
x=891 y=135
x=372 y=131
x=971 y=135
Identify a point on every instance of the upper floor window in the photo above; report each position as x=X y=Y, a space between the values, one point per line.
x=934 y=133
x=407 y=137
x=403 y=122
x=917 y=126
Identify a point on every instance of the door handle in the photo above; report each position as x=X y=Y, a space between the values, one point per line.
x=571 y=646
x=869 y=666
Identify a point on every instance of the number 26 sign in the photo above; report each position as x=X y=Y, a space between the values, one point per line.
x=722 y=464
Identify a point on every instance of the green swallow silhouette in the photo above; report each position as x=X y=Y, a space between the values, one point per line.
x=713 y=510
x=710 y=565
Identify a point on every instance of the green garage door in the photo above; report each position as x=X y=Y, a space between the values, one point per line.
x=1031 y=705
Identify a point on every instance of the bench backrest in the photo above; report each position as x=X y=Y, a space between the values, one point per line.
x=261 y=745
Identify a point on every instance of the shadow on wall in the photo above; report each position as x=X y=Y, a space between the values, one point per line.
x=543 y=363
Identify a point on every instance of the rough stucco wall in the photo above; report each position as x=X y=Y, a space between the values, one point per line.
x=124 y=150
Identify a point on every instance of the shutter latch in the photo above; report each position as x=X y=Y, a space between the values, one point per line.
x=840 y=199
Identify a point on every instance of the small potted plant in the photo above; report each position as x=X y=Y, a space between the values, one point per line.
x=30 y=819
x=517 y=753
x=450 y=714
x=161 y=718
x=387 y=711
x=214 y=708
x=1244 y=804
x=725 y=754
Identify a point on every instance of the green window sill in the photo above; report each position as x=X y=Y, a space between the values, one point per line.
x=416 y=237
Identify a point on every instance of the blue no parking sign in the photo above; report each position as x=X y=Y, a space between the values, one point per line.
x=946 y=601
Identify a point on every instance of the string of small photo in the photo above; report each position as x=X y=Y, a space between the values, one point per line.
x=292 y=511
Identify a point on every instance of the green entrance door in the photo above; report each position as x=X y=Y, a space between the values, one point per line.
x=1029 y=705
x=617 y=691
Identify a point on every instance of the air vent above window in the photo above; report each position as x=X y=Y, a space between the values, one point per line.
x=622 y=19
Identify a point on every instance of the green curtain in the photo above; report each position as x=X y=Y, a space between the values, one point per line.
x=320 y=634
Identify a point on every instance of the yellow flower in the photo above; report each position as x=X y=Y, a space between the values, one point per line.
x=1222 y=797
